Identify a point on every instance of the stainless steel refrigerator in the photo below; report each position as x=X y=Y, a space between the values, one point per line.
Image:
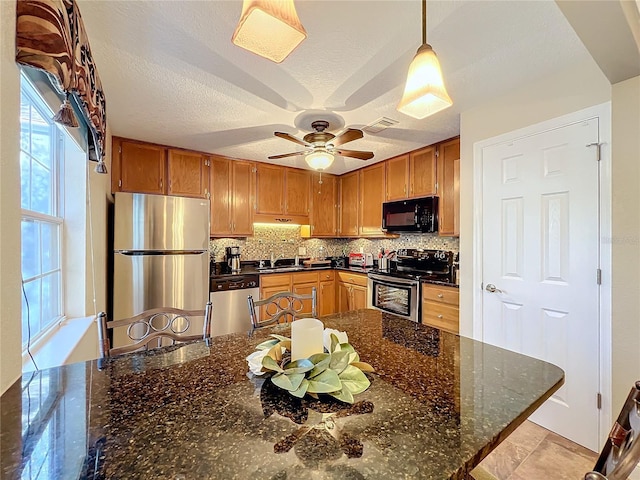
x=161 y=256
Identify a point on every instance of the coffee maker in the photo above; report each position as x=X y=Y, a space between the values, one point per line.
x=233 y=258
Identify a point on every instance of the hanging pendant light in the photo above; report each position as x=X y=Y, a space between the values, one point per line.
x=424 y=92
x=269 y=28
x=319 y=160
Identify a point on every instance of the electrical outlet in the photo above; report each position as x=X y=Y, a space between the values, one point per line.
x=302 y=250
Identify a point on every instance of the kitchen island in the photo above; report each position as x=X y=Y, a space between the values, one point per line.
x=437 y=404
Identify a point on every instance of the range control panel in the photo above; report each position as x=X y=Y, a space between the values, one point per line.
x=234 y=282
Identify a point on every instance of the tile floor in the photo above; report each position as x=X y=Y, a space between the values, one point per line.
x=532 y=452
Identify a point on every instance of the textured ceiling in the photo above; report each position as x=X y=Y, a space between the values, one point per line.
x=172 y=76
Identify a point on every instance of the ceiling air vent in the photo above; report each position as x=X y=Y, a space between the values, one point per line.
x=379 y=125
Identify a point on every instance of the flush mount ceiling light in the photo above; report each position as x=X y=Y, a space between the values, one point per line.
x=319 y=160
x=269 y=28
x=424 y=92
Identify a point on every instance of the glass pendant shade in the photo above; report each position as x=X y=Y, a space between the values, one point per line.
x=424 y=92
x=319 y=160
x=269 y=28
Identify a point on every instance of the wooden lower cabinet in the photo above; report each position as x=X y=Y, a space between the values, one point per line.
x=326 y=292
x=351 y=291
x=270 y=285
x=440 y=307
x=302 y=283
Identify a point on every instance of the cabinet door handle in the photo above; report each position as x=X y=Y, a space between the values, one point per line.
x=160 y=183
x=440 y=295
x=440 y=316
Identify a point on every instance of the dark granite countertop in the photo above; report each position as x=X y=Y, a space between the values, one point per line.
x=364 y=270
x=444 y=284
x=437 y=404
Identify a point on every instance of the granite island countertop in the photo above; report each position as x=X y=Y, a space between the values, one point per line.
x=438 y=403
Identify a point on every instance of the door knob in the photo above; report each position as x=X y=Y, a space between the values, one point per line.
x=492 y=288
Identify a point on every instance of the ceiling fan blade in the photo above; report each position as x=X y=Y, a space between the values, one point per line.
x=355 y=154
x=291 y=138
x=348 y=135
x=293 y=154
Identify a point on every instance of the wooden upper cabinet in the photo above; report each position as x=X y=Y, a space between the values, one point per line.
x=422 y=172
x=138 y=167
x=449 y=187
x=349 y=204
x=282 y=194
x=242 y=201
x=372 y=196
x=141 y=167
x=221 y=195
x=324 y=205
x=269 y=189
x=397 y=178
x=231 y=185
x=188 y=174
x=296 y=192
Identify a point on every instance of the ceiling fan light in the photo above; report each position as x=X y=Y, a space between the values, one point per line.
x=424 y=92
x=319 y=160
x=269 y=28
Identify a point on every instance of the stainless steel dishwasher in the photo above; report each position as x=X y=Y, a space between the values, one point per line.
x=228 y=294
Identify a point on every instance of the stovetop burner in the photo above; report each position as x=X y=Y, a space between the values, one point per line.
x=420 y=264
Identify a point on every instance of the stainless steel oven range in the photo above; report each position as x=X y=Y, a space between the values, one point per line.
x=397 y=290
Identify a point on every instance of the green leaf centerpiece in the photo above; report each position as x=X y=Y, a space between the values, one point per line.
x=337 y=372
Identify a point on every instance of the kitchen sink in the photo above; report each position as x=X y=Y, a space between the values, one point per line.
x=288 y=268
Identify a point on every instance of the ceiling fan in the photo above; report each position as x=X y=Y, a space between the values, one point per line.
x=322 y=146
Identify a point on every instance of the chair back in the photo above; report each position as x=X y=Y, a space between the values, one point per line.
x=621 y=452
x=282 y=307
x=149 y=328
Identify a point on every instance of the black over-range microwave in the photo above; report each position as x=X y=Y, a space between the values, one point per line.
x=415 y=215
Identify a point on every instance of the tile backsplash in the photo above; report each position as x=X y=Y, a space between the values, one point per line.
x=284 y=241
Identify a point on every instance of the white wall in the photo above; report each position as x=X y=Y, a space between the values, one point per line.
x=100 y=197
x=625 y=119
x=10 y=275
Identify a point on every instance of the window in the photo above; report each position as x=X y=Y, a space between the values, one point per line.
x=41 y=164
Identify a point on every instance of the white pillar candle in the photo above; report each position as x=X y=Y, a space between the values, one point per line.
x=306 y=338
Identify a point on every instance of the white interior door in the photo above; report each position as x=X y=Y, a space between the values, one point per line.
x=540 y=260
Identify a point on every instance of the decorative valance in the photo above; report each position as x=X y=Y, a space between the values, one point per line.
x=50 y=36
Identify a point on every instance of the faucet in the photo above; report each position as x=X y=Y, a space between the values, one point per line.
x=297 y=260
x=273 y=260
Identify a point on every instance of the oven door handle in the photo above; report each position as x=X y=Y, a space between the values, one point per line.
x=393 y=281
